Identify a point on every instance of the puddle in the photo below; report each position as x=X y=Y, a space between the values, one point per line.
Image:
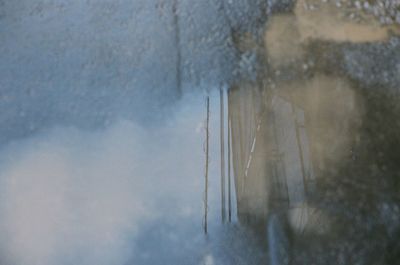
x=103 y=119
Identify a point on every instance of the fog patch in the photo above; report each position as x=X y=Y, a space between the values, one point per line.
x=80 y=197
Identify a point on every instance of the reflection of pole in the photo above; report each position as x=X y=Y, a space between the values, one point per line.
x=221 y=93
x=225 y=14
x=296 y=125
x=207 y=161
x=229 y=165
x=178 y=46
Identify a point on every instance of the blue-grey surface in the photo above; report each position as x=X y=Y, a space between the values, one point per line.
x=85 y=63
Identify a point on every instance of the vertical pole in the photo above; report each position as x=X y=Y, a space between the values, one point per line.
x=177 y=36
x=222 y=139
x=298 y=139
x=207 y=161
x=229 y=164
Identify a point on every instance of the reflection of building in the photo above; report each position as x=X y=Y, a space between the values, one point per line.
x=305 y=123
x=283 y=138
x=270 y=153
x=304 y=120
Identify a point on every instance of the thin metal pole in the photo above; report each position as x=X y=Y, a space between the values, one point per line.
x=222 y=140
x=298 y=139
x=177 y=33
x=207 y=161
x=229 y=164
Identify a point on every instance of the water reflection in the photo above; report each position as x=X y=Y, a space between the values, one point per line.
x=102 y=135
x=308 y=181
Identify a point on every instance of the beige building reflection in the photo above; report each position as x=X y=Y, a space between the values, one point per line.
x=301 y=117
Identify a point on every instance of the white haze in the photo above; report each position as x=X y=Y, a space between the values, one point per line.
x=123 y=195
